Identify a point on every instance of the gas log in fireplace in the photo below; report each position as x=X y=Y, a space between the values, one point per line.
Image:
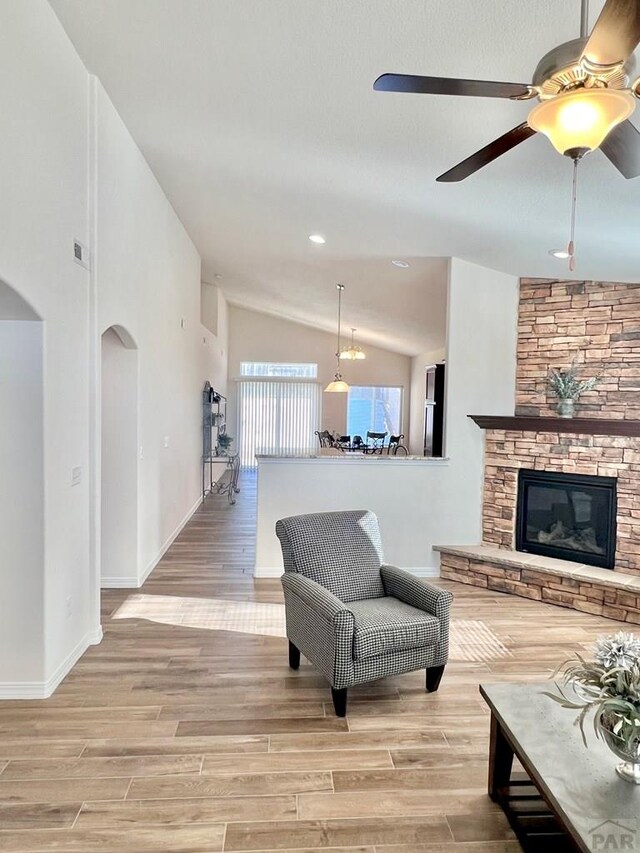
x=569 y=516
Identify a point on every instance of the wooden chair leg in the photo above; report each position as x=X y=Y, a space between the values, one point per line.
x=339 y=701
x=294 y=656
x=434 y=677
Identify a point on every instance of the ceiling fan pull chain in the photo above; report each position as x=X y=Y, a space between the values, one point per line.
x=574 y=197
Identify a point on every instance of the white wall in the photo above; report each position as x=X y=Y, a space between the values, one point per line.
x=482 y=329
x=397 y=489
x=148 y=281
x=419 y=364
x=422 y=504
x=218 y=340
x=70 y=170
x=119 y=468
x=44 y=89
x=209 y=297
x=261 y=337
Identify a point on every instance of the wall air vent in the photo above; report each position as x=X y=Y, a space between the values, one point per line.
x=81 y=254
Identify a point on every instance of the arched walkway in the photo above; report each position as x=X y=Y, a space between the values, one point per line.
x=119 y=466
x=21 y=489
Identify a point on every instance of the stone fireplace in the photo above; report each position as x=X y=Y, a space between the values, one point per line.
x=568 y=516
x=558 y=541
x=507 y=452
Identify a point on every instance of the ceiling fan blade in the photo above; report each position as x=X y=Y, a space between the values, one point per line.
x=622 y=147
x=450 y=86
x=616 y=33
x=487 y=154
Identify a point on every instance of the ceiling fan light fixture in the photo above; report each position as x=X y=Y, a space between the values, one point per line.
x=561 y=254
x=580 y=120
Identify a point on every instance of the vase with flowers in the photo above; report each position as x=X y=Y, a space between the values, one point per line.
x=608 y=686
x=567 y=387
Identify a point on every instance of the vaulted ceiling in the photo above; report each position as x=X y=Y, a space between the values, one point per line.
x=259 y=120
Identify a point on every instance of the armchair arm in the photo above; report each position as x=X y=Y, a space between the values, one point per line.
x=321 y=626
x=416 y=592
x=325 y=603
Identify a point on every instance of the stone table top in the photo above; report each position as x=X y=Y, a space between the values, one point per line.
x=579 y=783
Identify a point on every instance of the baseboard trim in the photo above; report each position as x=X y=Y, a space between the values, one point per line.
x=44 y=689
x=136 y=583
x=119 y=583
x=418 y=571
x=268 y=571
x=425 y=571
x=168 y=542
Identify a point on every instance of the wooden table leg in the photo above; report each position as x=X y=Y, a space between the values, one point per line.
x=500 y=759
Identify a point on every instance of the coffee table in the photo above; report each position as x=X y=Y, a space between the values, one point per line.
x=569 y=797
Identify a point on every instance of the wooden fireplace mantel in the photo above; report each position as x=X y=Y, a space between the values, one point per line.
x=577 y=426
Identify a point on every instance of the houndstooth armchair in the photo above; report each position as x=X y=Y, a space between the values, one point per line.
x=350 y=614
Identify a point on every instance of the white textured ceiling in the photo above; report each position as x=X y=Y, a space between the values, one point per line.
x=259 y=119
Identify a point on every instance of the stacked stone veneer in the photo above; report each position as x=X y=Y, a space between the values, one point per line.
x=597 y=321
x=600 y=455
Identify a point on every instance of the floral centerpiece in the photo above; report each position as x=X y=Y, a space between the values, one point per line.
x=567 y=387
x=608 y=685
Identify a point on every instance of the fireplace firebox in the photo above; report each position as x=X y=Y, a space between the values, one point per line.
x=569 y=516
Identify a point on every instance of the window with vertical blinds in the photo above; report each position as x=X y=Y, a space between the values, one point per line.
x=277 y=417
x=378 y=409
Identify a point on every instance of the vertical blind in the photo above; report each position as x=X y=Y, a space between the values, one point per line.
x=277 y=417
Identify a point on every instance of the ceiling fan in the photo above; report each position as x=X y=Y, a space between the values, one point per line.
x=583 y=89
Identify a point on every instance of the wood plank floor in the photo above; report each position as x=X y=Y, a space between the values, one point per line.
x=185 y=731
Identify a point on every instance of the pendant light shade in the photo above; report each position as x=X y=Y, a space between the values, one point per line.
x=352 y=352
x=580 y=120
x=338 y=385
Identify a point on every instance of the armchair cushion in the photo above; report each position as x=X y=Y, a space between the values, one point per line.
x=385 y=625
x=342 y=551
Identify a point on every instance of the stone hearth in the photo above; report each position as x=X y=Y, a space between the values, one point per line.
x=586 y=588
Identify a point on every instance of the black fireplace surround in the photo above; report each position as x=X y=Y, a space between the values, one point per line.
x=569 y=516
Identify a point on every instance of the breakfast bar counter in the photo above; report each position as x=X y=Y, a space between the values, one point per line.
x=409 y=494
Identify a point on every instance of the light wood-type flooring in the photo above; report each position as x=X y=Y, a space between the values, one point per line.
x=184 y=731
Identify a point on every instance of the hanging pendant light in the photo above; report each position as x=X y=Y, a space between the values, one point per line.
x=338 y=386
x=352 y=352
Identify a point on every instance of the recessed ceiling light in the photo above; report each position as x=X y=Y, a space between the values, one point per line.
x=402 y=264
x=317 y=238
x=562 y=254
